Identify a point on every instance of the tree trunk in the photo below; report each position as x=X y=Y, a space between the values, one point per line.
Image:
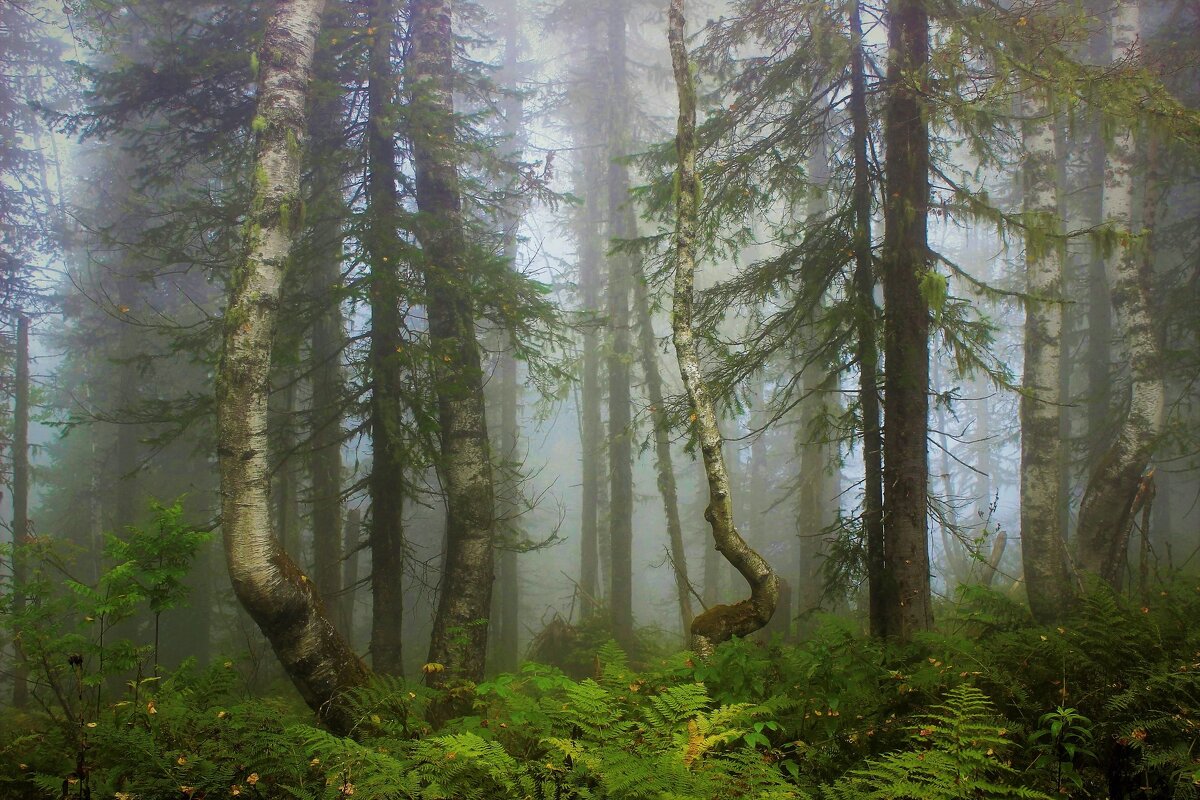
x=867 y=348
x=326 y=235
x=620 y=421
x=387 y=482
x=1042 y=450
x=590 y=424
x=648 y=351
x=20 y=503
x=721 y=622
x=280 y=599
x=459 y=641
x=1104 y=516
x=351 y=554
x=507 y=657
x=906 y=324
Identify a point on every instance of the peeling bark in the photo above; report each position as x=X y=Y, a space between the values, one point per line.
x=1042 y=450
x=721 y=622
x=280 y=599
x=1105 y=514
x=459 y=641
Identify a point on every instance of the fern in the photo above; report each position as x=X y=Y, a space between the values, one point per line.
x=959 y=753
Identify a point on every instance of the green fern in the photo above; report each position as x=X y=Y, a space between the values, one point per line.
x=959 y=752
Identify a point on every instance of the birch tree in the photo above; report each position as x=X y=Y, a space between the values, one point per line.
x=1104 y=516
x=1042 y=452
x=281 y=600
x=720 y=622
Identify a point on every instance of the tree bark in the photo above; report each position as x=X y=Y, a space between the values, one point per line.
x=590 y=424
x=280 y=599
x=867 y=324
x=327 y=210
x=648 y=352
x=906 y=324
x=1105 y=514
x=1042 y=450
x=459 y=641
x=507 y=657
x=721 y=622
x=21 y=533
x=387 y=483
x=620 y=420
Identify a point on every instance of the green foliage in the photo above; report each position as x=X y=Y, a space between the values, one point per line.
x=959 y=751
x=989 y=706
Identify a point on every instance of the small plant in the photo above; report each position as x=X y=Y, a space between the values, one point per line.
x=1063 y=738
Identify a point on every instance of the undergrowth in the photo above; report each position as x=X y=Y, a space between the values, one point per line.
x=987 y=706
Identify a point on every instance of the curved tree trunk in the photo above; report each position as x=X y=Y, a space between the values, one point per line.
x=1105 y=514
x=906 y=325
x=1042 y=451
x=280 y=599
x=721 y=622
x=459 y=641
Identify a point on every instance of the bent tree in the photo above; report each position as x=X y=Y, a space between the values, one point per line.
x=282 y=601
x=721 y=622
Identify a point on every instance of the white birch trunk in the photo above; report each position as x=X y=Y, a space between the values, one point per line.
x=720 y=622
x=1042 y=545
x=1104 y=515
x=280 y=599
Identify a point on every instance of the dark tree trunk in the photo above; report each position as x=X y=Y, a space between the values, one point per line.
x=459 y=641
x=351 y=553
x=648 y=352
x=326 y=232
x=867 y=347
x=387 y=482
x=620 y=433
x=20 y=501
x=590 y=422
x=906 y=325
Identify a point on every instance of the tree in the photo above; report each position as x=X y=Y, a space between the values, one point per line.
x=1104 y=516
x=905 y=265
x=459 y=641
x=721 y=622
x=280 y=599
x=1042 y=541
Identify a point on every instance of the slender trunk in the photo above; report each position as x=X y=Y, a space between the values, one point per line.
x=648 y=351
x=620 y=421
x=280 y=599
x=1104 y=516
x=867 y=347
x=459 y=641
x=326 y=237
x=351 y=553
x=590 y=424
x=1042 y=451
x=906 y=324
x=384 y=251
x=718 y=623
x=20 y=502
x=507 y=656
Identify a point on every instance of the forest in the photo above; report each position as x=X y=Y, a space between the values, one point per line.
x=554 y=399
